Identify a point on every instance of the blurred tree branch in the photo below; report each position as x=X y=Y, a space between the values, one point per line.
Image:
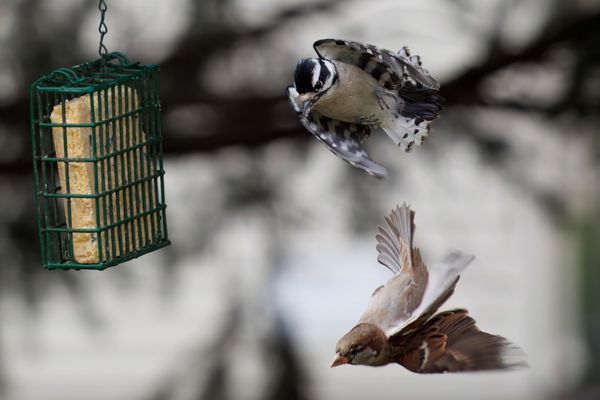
x=201 y=44
x=256 y=121
x=464 y=88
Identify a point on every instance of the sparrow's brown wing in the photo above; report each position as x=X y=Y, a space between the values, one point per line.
x=453 y=264
x=443 y=277
x=395 y=245
x=393 y=305
x=416 y=291
x=426 y=313
x=451 y=342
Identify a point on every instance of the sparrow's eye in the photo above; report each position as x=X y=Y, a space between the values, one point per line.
x=318 y=85
x=355 y=350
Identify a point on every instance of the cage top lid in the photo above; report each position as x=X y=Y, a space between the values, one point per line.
x=109 y=70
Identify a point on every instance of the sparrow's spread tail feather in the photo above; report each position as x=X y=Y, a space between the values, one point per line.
x=451 y=342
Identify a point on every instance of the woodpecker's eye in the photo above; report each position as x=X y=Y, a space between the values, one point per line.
x=318 y=85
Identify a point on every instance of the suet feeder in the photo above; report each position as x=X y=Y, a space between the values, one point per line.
x=98 y=163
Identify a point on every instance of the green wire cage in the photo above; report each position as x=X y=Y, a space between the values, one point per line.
x=98 y=163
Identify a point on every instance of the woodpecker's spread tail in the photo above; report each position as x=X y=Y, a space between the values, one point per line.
x=411 y=126
x=405 y=132
x=420 y=102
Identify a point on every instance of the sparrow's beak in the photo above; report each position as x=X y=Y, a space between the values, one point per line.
x=339 y=360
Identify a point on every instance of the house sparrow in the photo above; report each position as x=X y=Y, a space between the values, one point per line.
x=353 y=88
x=400 y=324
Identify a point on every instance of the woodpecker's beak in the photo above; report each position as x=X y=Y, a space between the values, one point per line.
x=339 y=360
x=306 y=107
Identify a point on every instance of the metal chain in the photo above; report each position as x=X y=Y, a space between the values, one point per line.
x=103 y=29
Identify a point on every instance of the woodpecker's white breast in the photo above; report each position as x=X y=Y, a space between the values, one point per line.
x=354 y=95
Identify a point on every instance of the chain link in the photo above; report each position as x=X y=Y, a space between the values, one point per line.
x=103 y=29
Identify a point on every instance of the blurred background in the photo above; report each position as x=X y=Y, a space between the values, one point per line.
x=273 y=255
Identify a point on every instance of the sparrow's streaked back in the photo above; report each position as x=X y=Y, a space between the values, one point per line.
x=352 y=89
x=400 y=324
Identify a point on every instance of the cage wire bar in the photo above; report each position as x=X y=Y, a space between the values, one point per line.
x=98 y=163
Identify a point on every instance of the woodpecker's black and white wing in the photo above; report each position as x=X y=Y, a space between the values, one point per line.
x=342 y=138
x=391 y=70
